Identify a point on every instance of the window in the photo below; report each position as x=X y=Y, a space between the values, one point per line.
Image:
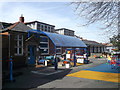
x=52 y=29
x=44 y=51
x=41 y=26
x=58 y=50
x=100 y=49
x=44 y=45
x=38 y=26
x=19 y=45
x=93 y=49
x=43 y=39
x=45 y=27
x=49 y=29
x=107 y=50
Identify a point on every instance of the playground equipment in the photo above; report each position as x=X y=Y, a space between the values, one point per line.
x=114 y=61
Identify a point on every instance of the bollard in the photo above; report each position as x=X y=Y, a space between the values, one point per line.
x=74 y=59
x=11 y=69
x=56 y=63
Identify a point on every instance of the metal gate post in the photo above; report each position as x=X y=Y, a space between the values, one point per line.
x=11 y=71
x=56 y=63
x=74 y=58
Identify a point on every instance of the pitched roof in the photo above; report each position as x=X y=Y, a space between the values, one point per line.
x=4 y=25
x=4 y=33
x=18 y=26
x=93 y=43
x=108 y=44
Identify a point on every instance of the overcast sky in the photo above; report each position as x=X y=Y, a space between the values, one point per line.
x=60 y=14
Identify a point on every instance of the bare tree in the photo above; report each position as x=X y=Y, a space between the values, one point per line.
x=115 y=40
x=106 y=12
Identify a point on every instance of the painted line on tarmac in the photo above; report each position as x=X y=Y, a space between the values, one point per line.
x=111 y=77
x=37 y=72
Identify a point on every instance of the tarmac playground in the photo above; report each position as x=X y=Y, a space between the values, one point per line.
x=102 y=72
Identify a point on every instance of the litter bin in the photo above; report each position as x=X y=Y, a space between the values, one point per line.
x=67 y=65
x=86 y=61
x=45 y=62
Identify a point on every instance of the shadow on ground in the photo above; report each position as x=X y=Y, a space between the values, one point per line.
x=28 y=80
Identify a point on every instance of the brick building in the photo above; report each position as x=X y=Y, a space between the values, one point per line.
x=26 y=45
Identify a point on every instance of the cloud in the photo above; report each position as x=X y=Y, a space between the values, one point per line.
x=51 y=13
x=36 y=0
x=12 y=11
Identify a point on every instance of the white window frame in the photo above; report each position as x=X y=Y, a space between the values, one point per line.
x=17 y=39
x=43 y=47
x=91 y=49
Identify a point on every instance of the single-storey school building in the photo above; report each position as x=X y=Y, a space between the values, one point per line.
x=25 y=45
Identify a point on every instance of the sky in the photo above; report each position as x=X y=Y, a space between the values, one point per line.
x=60 y=14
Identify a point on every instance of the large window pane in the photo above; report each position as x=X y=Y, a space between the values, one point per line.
x=20 y=37
x=58 y=50
x=43 y=39
x=16 y=37
x=20 y=43
x=44 y=45
x=44 y=51
x=38 y=26
x=20 y=50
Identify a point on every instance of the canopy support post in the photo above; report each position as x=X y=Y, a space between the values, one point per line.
x=74 y=58
x=56 y=61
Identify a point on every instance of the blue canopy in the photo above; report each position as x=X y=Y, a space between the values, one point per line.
x=65 y=41
x=62 y=40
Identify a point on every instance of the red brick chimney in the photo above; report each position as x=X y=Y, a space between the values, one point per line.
x=21 y=19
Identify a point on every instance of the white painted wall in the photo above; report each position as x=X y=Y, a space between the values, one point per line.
x=109 y=49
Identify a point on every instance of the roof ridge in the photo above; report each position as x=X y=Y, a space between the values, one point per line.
x=12 y=26
x=39 y=22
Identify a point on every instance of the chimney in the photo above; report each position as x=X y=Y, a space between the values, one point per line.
x=21 y=19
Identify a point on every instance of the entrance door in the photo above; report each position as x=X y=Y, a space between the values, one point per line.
x=31 y=54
